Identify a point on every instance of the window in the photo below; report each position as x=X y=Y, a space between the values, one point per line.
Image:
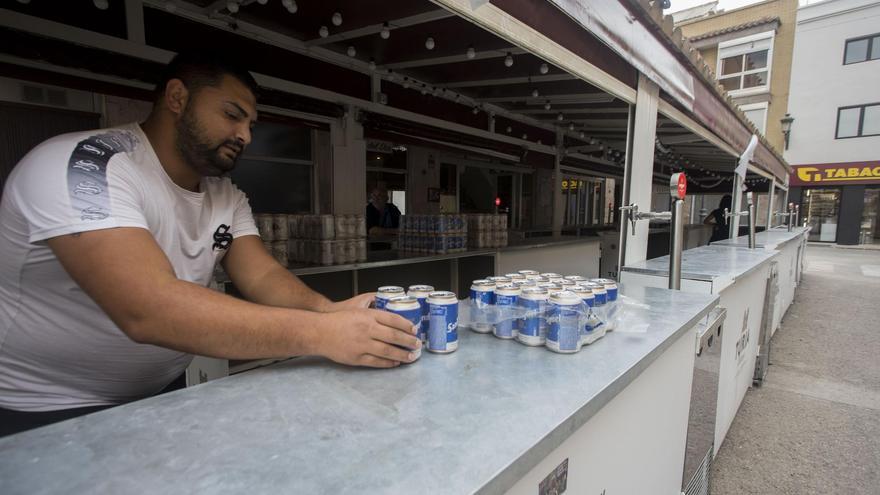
x=858 y=121
x=744 y=64
x=862 y=49
x=757 y=114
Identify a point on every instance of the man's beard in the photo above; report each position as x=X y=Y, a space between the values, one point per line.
x=198 y=152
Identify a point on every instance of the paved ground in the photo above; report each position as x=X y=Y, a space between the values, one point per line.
x=814 y=427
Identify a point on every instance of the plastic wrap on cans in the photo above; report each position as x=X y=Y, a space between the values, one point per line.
x=293 y=222
x=340 y=226
x=499 y=280
x=409 y=308
x=577 y=279
x=442 y=322
x=326 y=227
x=564 y=316
x=598 y=291
x=533 y=330
x=386 y=292
x=482 y=296
x=361 y=250
x=524 y=283
x=421 y=293
x=338 y=252
x=593 y=328
x=361 y=226
x=279 y=252
x=610 y=287
x=506 y=302
x=280 y=229
x=325 y=252
x=264 y=226
x=566 y=283
x=351 y=250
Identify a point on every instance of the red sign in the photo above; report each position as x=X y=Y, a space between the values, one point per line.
x=831 y=174
x=678 y=185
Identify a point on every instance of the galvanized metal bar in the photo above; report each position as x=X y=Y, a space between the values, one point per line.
x=676 y=244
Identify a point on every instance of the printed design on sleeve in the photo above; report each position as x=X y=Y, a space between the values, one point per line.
x=87 y=172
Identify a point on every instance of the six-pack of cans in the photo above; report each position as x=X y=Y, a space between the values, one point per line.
x=432 y=234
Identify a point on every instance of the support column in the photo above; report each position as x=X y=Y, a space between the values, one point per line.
x=849 y=221
x=641 y=165
x=770 y=199
x=349 y=165
x=557 y=185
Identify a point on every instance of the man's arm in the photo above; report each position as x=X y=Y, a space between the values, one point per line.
x=126 y=273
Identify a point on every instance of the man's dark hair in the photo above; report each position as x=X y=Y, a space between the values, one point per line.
x=200 y=70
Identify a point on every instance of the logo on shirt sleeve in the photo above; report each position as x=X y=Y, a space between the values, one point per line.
x=222 y=237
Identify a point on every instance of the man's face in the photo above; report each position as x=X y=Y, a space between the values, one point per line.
x=215 y=126
x=379 y=197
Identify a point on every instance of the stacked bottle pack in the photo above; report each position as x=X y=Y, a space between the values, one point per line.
x=486 y=230
x=432 y=234
x=315 y=239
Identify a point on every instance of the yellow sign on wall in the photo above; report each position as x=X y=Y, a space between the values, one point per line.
x=836 y=173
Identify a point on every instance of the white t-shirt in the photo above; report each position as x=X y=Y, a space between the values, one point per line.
x=58 y=349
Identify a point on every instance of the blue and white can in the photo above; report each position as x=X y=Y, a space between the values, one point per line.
x=565 y=314
x=598 y=291
x=566 y=284
x=421 y=292
x=482 y=300
x=499 y=280
x=515 y=276
x=577 y=279
x=552 y=277
x=527 y=273
x=590 y=330
x=409 y=308
x=610 y=287
x=442 y=322
x=384 y=293
x=533 y=300
x=506 y=300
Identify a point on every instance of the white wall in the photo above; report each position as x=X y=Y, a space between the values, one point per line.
x=820 y=83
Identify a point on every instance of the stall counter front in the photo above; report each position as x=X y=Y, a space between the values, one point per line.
x=791 y=246
x=740 y=277
x=493 y=417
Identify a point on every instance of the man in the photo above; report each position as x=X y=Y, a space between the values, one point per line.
x=716 y=218
x=108 y=240
x=383 y=217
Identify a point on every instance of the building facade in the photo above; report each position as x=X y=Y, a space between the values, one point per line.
x=834 y=143
x=750 y=49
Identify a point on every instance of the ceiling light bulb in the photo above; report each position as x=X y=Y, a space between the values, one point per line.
x=534 y=93
x=391 y=75
x=351 y=51
x=291 y=6
x=544 y=68
x=323 y=32
x=372 y=64
x=525 y=136
x=232 y=6
x=570 y=127
x=471 y=53
x=509 y=129
x=170 y=6
x=559 y=116
x=101 y=4
x=262 y=2
x=476 y=110
x=582 y=134
x=429 y=43
x=547 y=105
x=336 y=19
x=385 y=33
x=25 y=2
x=508 y=61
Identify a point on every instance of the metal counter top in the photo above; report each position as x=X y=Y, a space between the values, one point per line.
x=708 y=263
x=378 y=259
x=476 y=420
x=768 y=239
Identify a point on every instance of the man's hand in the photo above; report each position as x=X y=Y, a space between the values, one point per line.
x=367 y=337
x=361 y=301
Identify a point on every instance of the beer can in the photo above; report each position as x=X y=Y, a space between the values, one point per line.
x=482 y=297
x=340 y=225
x=591 y=321
x=599 y=291
x=499 y=280
x=536 y=277
x=339 y=257
x=564 y=333
x=361 y=226
x=524 y=283
x=409 y=308
x=280 y=229
x=526 y=273
x=515 y=276
x=326 y=227
x=351 y=248
x=506 y=300
x=265 y=227
x=386 y=292
x=421 y=293
x=362 y=250
x=293 y=222
x=442 y=322
x=610 y=287
x=325 y=251
x=576 y=278
x=566 y=283
x=279 y=252
x=533 y=331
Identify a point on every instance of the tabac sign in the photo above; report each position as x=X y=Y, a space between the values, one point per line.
x=836 y=173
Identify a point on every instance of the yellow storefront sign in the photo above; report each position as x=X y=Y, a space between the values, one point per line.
x=843 y=173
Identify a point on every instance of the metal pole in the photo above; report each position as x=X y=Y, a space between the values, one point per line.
x=624 y=197
x=676 y=244
x=752 y=218
x=770 y=199
x=797 y=215
x=735 y=206
x=790 y=215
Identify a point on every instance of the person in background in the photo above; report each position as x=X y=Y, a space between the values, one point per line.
x=383 y=217
x=716 y=218
x=108 y=242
